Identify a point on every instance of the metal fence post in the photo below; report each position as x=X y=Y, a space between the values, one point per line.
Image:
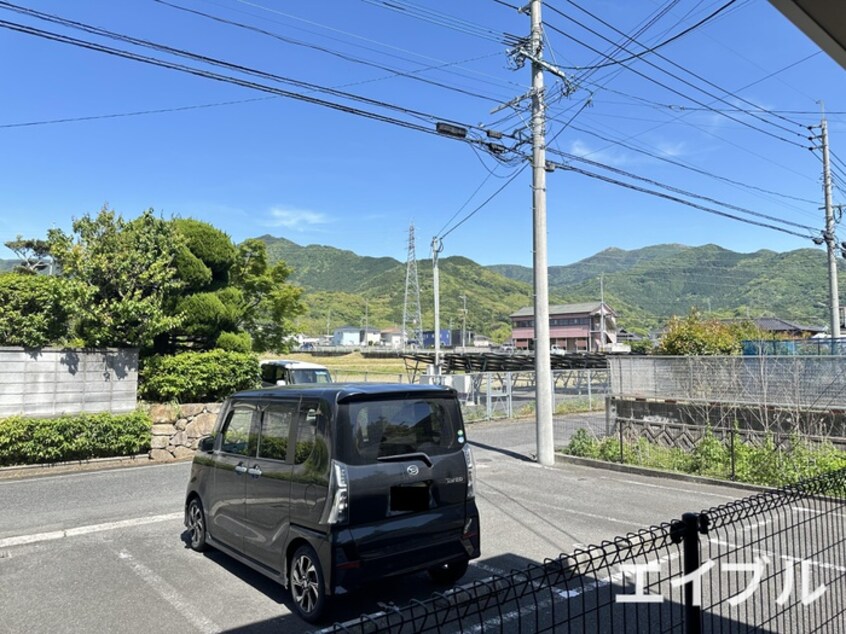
x=622 y=455
x=590 y=396
x=732 y=455
x=488 y=396
x=690 y=548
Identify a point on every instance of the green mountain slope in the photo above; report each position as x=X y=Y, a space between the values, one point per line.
x=326 y=268
x=647 y=286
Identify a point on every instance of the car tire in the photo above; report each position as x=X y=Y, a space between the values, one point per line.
x=449 y=573
x=196 y=525
x=305 y=581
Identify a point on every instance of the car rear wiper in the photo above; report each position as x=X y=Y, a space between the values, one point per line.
x=401 y=457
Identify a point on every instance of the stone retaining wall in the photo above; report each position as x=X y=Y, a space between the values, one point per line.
x=178 y=428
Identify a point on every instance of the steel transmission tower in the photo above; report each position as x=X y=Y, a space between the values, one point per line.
x=411 y=304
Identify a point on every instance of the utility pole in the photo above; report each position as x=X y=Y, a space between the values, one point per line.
x=464 y=323
x=601 y=311
x=437 y=247
x=543 y=372
x=831 y=242
x=829 y=237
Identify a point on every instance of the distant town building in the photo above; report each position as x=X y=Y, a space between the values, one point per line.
x=584 y=327
x=346 y=336
x=391 y=338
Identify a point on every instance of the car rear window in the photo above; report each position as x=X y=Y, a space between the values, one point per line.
x=381 y=428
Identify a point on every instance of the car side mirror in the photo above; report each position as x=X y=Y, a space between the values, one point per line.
x=280 y=382
x=206 y=444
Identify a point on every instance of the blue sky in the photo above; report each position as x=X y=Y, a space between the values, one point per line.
x=252 y=163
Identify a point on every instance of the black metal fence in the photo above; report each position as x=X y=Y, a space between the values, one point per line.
x=772 y=562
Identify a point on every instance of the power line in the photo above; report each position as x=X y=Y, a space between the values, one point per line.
x=680 y=67
x=499 y=81
x=215 y=62
x=133 y=114
x=414 y=75
x=673 y=75
x=441 y=19
x=684 y=192
x=655 y=47
x=658 y=194
x=64 y=39
x=487 y=200
x=691 y=167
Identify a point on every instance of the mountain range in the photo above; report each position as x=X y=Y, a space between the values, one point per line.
x=645 y=286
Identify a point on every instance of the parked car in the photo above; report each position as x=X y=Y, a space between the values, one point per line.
x=285 y=372
x=326 y=487
x=307 y=347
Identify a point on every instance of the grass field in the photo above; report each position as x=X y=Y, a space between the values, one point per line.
x=353 y=366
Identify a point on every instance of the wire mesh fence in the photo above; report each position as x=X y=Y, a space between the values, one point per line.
x=772 y=562
x=792 y=383
x=506 y=394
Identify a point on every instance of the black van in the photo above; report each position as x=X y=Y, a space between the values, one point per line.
x=325 y=487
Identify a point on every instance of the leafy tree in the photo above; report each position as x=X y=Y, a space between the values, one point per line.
x=33 y=254
x=125 y=270
x=36 y=310
x=270 y=301
x=209 y=245
x=693 y=335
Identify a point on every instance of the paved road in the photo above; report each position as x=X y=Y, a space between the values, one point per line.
x=104 y=551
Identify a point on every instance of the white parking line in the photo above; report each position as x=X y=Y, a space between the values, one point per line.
x=676 y=489
x=34 y=538
x=170 y=594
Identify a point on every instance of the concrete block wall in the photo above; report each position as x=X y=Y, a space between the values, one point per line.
x=50 y=381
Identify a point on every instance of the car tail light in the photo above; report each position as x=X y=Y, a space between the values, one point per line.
x=471 y=471
x=338 y=501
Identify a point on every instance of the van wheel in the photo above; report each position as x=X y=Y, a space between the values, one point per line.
x=196 y=525
x=305 y=579
x=449 y=573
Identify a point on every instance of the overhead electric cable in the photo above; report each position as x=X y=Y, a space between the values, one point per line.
x=688 y=203
x=220 y=63
x=684 y=81
x=412 y=74
x=290 y=16
x=655 y=47
x=441 y=19
x=65 y=39
x=676 y=65
x=678 y=190
x=691 y=167
x=133 y=114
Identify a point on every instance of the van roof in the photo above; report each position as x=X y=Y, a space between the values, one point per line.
x=339 y=392
x=296 y=365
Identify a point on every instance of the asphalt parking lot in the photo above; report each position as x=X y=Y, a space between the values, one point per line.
x=104 y=551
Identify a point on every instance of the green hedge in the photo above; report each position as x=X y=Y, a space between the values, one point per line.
x=73 y=437
x=767 y=465
x=195 y=377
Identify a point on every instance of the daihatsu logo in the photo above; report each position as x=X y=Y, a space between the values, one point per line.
x=412 y=470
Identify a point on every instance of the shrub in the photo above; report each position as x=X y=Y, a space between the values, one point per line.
x=26 y=440
x=582 y=444
x=193 y=377
x=235 y=342
x=35 y=310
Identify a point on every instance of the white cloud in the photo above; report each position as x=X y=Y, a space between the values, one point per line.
x=609 y=156
x=296 y=219
x=671 y=149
